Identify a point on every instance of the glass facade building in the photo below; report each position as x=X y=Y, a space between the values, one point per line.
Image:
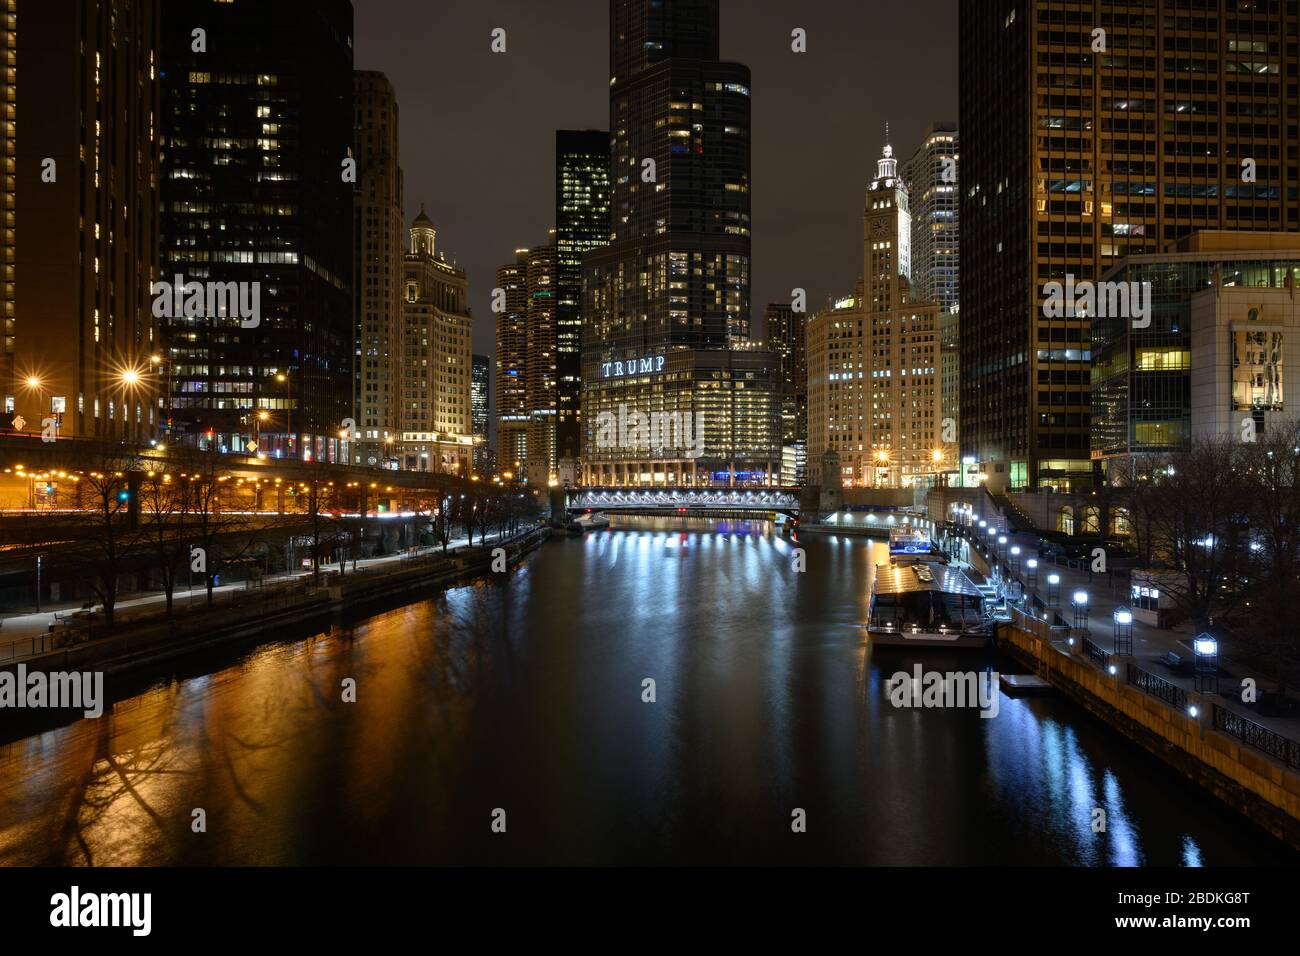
x=674 y=281
x=1141 y=377
x=254 y=191
x=581 y=224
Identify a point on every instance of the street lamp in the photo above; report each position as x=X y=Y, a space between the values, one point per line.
x=1080 y=604
x=283 y=379
x=1002 y=545
x=1015 y=558
x=1205 y=655
x=1032 y=572
x=1053 y=589
x=1123 y=645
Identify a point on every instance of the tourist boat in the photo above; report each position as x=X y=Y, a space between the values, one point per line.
x=926 y=604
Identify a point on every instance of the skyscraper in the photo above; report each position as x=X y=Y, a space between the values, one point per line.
x=512 y=368
x=668 y=299
x=437 y=328
x=8 y=203
x=379 y=225
x=873 y=360
x=786 y=335
x=581 y=224
x=480 y=410
x=82 y=200
x=258 y=125
x=540 y=393
x=933 y=179
x=1081 y=148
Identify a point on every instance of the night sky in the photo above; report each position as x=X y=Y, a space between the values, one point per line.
x=478 y=129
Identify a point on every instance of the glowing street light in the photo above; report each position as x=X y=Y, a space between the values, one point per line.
x=1123 y=645
x=1053 y=588
x=1205 y=654
x=1080 y=604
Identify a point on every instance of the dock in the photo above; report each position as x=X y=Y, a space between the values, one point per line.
x=1015 y=684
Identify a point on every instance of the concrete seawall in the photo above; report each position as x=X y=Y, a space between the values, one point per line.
x=1261 y=788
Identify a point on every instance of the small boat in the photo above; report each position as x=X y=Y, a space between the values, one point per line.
x=910 y=545
x=926 y=603
x=588 y=522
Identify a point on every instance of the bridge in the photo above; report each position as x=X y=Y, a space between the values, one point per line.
x=705 y=502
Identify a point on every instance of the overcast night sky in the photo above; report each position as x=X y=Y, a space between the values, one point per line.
x=478 y=129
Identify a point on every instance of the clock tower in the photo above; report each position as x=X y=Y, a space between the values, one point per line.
x=888 y=237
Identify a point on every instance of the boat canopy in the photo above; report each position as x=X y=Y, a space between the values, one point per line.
x=911 y=578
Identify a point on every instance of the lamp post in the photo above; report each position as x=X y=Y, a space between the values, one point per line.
x=1123 y=644
x=1015 y=559
x=1205 y=656
x=1080 y=605
x=1053 y=589
x=283 y=378
x=1002 y=546
x=1031 y=573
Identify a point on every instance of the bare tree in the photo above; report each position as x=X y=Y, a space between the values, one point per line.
x=1193 y=520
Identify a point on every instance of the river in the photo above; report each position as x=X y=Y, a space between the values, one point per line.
x=524 y=694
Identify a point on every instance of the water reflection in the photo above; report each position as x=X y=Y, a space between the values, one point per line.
x=526 y=694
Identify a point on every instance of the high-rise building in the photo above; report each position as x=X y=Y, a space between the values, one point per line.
x=480 y=411
x=257 y=195
x=933 y=187
x=540 y=376
x=933 y=180
x=437 y=407
x=873 y=360
x=1081 y=148
x=81 y=217
x=581 y=224
x=786 y=334
x=512 y=364
x=8 y=205
x=666 y=303
x=379 y=224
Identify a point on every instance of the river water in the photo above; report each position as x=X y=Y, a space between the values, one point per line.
x=524 y=694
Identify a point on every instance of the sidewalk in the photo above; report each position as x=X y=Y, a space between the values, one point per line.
x=25 y=626
x=1105 y=594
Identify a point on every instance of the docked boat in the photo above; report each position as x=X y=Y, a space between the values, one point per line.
x=909 y=545
x=587 y=522
x=926 y=603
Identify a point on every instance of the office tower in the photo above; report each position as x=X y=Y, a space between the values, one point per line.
x=480 y=411
x=540 y=394
x=581 y=224
x=668 y=298
x=932 y=177
x=933 y=181
x=1081 y=149
x=81 y=199
x=8 y=202
x=512 y=367
x=379 y=224
x=257 y=151
x=786 y=330
x=873 y=360
x=437 y=417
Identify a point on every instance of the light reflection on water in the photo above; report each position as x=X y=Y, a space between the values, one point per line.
x=527 y=695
